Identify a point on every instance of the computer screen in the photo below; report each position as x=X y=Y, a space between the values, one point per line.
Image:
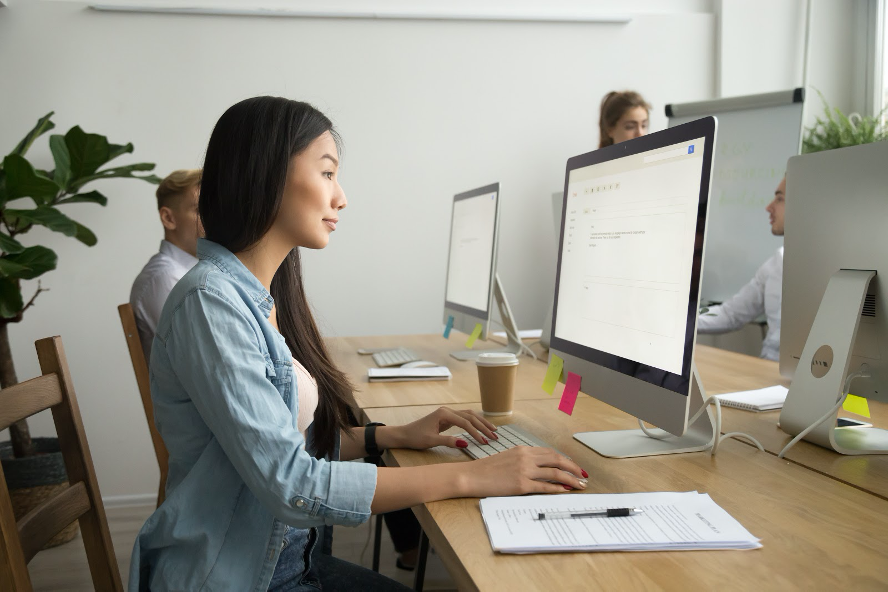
x=627 y=283
x=627 y=256
x=470 y=264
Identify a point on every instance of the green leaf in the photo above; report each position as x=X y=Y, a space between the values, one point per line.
x=62 y=158
x=115 y=150
x=11 y=302
x=9 y=244
x=10 y=268
x=35 y=261
x=118 y=172
x=85 y=235
x=88 y=152
x=91 y=197
x=4 y=195
x=45 y=216
x=23 y=181
x=43 y=126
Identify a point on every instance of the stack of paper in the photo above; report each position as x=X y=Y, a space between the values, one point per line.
x=670 y=522
x=408 y=374
x=764 y=399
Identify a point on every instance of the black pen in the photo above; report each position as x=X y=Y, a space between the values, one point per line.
x=609 y=513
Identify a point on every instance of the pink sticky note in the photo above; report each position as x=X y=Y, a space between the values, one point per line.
x=569 y=396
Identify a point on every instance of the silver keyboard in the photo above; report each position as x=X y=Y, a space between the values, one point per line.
x=394 y=357
x=510 y=436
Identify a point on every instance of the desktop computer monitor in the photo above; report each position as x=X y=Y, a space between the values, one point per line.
x=628 y=280
x=834 y=308
x=546 y=335
x=472 y=283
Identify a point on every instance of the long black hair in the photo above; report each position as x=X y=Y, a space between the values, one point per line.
x=244 y=175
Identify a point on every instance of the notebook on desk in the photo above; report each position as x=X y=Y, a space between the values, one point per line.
x=408 y=374
x=764 y=399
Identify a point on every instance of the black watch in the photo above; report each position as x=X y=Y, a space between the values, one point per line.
x=370 y=439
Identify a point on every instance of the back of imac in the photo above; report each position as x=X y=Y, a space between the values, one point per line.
x=836 y=235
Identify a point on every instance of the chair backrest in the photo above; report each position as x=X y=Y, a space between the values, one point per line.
x=20 y=541
x=140 y=367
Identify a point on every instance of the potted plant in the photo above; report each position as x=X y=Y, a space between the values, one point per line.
x=837 y=130
x=31 y=197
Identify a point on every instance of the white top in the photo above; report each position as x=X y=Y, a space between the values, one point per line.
x=762 y=295
x=153 y=285
x=307 y=391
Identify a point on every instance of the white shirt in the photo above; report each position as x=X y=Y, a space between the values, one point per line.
x=762 y=295
x=153 y=285
x=307 y=392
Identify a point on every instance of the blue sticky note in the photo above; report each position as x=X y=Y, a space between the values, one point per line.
x=448 y=327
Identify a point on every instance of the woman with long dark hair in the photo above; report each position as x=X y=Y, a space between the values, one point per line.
x=254 y=414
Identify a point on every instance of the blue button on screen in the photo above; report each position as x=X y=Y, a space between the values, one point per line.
x=691 y=149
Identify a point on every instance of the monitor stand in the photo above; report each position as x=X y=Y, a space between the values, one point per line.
x=513 y=346
x=633 y=443
x=823 y=368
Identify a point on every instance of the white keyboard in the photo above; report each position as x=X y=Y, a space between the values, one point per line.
x=394 y=357
x=509 y=437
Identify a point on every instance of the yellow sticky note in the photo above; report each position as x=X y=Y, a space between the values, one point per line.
x=555 y=370
x=476 y=333
x=857 y=405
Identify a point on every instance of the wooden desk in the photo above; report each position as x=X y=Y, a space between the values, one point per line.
x=817 y=533
x=723 y=372
x=461 y=389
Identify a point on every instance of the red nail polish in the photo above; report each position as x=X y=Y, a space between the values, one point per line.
x=462 y=443
x=567 y=487
x=585 y=474
x=485 y=440
x=495 y=437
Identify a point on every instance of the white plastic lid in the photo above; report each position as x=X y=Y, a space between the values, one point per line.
x=497 y=359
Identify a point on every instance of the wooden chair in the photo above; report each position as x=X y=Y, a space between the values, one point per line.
x=20 y=541
x=140 y=366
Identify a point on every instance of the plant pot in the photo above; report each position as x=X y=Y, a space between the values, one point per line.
x=34 y=479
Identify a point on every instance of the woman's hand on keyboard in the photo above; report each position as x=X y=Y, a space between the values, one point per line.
x=524 y=469
x=426 y=432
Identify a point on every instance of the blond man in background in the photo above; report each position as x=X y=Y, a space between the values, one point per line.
x=177 y=197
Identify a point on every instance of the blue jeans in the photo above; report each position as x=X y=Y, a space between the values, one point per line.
x=301 y=567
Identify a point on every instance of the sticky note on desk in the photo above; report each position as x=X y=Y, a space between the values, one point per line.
x=448 y=327
x=856 y=405
x=569 y=396
x=476 y=333
x=553 y=373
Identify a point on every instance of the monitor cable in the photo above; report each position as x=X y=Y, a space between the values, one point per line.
x=862 y=373
x=717 y=436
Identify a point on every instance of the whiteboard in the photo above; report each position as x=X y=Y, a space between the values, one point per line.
x=757 y=134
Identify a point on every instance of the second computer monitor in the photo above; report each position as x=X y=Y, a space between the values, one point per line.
x=628 y=277
x=471 y=262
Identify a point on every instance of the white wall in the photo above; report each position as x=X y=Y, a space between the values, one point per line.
x=427 y=109
x=761 y=49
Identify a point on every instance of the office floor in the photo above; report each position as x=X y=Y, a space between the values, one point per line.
x=64 y=568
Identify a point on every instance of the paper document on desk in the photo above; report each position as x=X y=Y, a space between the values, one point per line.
x=522 y=333
x=670 y=522
x=408 y=374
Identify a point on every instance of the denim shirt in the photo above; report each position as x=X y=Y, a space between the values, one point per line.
x=225 y=403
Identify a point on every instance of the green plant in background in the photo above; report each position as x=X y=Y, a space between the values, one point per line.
x=31 y=197
x=838 y=130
